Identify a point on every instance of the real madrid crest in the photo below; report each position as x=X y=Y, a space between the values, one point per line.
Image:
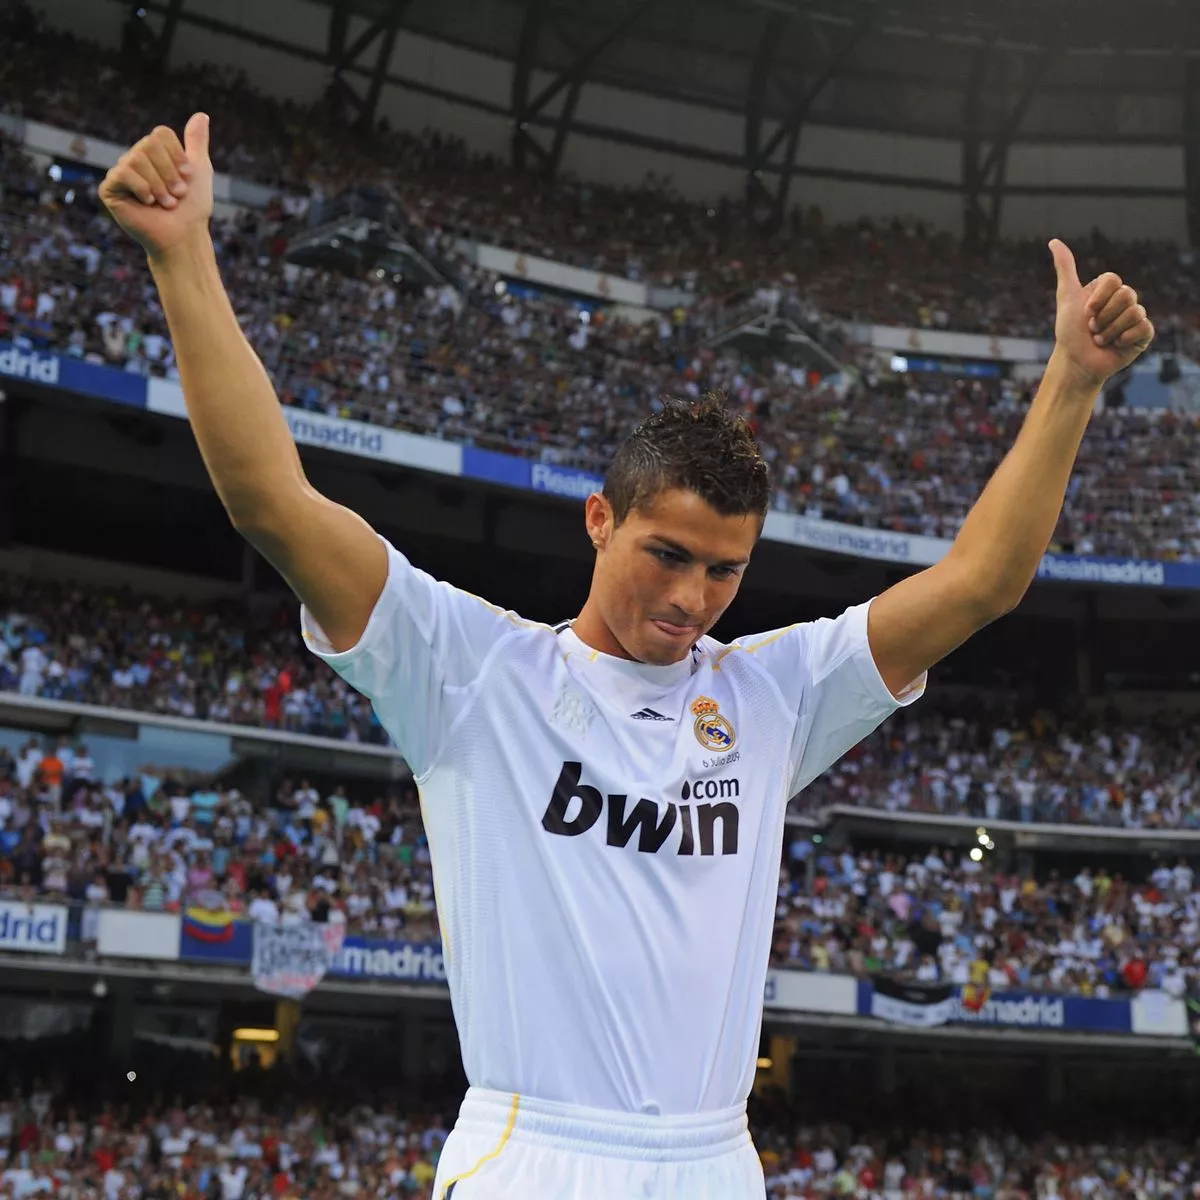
x=712 y=730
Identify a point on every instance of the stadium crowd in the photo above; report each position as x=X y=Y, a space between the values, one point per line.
x=829 y=1160
x=942 y=917
x=528 y=374
x=218 y=662
x=996 y=762
x=250 y=1150
x=224 y=662
x=649 y=232
x=213 y=1152
x=160 y=842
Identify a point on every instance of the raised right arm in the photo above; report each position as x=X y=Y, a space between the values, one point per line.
x=333 y=560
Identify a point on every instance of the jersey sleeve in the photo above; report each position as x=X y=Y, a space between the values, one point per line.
x=424 y=646
x=829 y=679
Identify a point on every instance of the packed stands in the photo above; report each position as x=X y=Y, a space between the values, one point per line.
x=932 y=917
x=156 y=843
x=160 y=844
x=528 y=375
x=996 y=762
x=254 y=1138
x=648 y=233
x=831 y=1160
x=176 y=1129
x=221 y=661
x=216 y=662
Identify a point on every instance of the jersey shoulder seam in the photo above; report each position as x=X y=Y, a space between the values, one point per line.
x=475 y=686
x=748 y=651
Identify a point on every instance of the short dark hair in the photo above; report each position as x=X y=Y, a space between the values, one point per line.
x=700 y=446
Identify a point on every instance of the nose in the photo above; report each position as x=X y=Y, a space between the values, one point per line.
x=688 y=595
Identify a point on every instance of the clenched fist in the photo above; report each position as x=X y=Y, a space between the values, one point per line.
x=161 y=192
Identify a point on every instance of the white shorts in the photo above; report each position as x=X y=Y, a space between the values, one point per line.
x=506 y=1147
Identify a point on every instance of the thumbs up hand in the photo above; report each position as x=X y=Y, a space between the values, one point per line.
x=1100 y=327
x=161 y=190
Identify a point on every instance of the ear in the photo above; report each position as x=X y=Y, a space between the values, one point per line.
x=598 y=519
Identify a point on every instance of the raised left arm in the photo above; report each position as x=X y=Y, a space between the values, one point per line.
x=1100 y=328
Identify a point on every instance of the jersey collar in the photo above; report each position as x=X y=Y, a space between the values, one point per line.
x=665 y=676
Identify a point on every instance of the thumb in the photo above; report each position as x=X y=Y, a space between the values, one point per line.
x=1064 y=266
x=195 y=137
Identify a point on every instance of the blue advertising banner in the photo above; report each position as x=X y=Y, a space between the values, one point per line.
x=210 y=936
x=564 y=481
x=41 y=928
x=393 y=962
x=1009 y=1010
x=1074 y=568
x=72 y=375
x=491 y=467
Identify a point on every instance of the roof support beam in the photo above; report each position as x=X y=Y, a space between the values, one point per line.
x=141 y=41
x=984 y=175
x=341 y=56
x=528 y=110
x=760 y=157
x=531 y=29
x=756 y=98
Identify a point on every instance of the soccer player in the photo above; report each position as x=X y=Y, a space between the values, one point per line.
x=605 y=799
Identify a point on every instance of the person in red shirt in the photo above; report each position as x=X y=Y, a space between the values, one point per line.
x=1133 y=974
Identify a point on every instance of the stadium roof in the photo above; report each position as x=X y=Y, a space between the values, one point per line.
x=984 y=72
x=901 y=64
x=1099 y=70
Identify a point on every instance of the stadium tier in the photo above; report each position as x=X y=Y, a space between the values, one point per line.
x=524 y=374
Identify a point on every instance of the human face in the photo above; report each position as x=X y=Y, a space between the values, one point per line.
x=663 y=576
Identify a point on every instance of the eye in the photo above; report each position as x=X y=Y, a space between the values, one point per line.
x=670 y=557
x=723 y=572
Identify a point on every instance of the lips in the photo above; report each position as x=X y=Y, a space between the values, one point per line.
x=675 y=631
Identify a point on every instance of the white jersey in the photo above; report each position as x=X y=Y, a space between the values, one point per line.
x=606 y=835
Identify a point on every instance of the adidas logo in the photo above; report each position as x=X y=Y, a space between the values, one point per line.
x=648 y=714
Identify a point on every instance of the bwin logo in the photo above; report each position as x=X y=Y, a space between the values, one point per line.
x=695 y=822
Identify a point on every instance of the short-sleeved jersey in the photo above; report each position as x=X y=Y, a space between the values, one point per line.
x=606 y=835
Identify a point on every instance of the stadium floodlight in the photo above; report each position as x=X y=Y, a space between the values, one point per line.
x=983 y=837
x=765 y=1064
x=976 y=854
x=255 y=1035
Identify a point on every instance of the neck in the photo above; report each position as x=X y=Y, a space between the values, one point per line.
x=591 y=629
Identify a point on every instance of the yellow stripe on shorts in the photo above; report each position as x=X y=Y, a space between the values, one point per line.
x=491 y=1155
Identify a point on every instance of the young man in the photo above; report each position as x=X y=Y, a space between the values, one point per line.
x=605 y=799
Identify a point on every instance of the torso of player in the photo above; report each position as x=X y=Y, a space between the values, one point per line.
x=606 y=835
x=606 y=844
